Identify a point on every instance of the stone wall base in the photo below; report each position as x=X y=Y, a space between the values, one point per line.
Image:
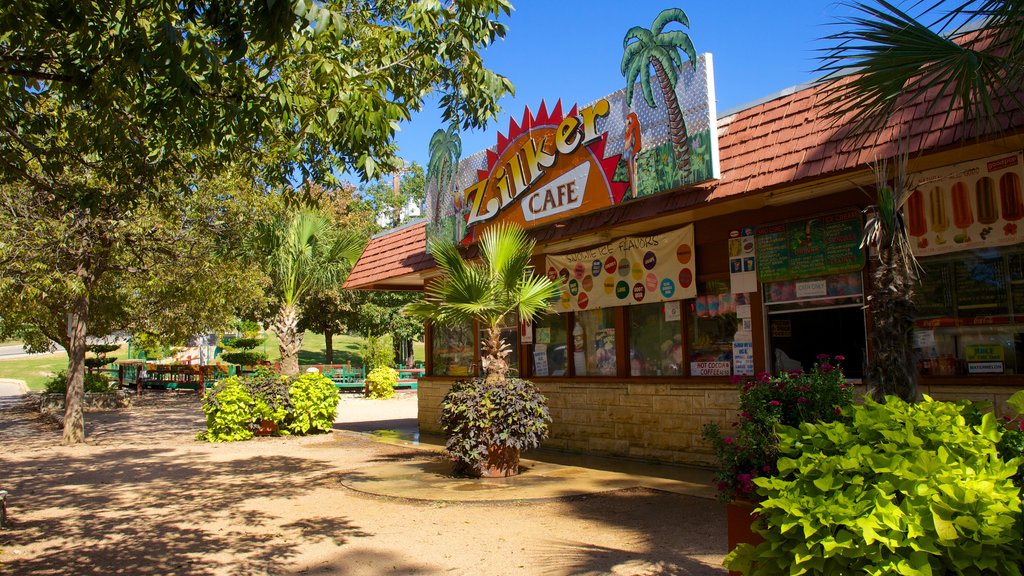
x=53 y=404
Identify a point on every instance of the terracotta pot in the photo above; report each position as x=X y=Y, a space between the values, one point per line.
x=501 y=462
x=739 y=519
x=267 y=427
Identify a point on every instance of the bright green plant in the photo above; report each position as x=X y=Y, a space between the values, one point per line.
x=229 y=412
x=1011 y=445
x=380 y=382
x=789 y=398
x=477 y=416
x=314 y=404
x=94 y=383
x=378 y=351
x=243 y=357
x=270 y=394
x=899 y=489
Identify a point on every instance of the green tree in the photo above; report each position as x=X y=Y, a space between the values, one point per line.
x=387 y=198
x=445 y=150
x=886 y=60
x=499 y=287
x=657 y=48
x=301 y=253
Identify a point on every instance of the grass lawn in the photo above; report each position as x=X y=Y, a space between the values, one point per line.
x=35 y=370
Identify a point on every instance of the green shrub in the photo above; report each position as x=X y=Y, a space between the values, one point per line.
x=98 y=362
x=900 y=489
x=100 y=349
x=229 y=410
x=243 y=343
x=1011 y=445
x=94 y=383
x=380 y=382
x=314 y=404
x=269 y=391
x=246 y=358
x=475 y=416
x=378 y=351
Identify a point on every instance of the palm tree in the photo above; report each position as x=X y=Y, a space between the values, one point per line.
x=301 y=253
x=660 y=49
x=888 y=60
x=892 y=370
x=445 y=150
x=499 y=287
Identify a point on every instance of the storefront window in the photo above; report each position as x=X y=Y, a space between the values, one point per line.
x=452 y=350
x=711 y=328
x=510 y=336
x=655 y=339
x=594 y=343
x=970 y=310
x=550 y=342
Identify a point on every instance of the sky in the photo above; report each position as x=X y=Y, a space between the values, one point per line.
x=571 y=50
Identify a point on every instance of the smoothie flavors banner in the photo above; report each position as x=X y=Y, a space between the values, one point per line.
x=966 y=206
x=631 y=270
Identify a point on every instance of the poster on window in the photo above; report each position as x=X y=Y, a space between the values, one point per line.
x=630 y=270
x=966 y=206
x=742 y=268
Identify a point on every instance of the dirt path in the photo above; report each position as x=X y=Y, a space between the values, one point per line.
x=144 y=498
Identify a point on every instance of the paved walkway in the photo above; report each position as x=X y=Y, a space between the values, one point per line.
x=11 y=392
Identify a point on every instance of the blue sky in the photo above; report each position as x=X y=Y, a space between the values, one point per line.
x=571 y=49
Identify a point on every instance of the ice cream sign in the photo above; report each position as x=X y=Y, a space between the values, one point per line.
x=966 y=206
x=549 y=165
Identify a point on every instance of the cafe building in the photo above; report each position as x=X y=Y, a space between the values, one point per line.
x=689 y=251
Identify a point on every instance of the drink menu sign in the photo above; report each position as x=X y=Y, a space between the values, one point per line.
x=966 y=206
x=820 y=246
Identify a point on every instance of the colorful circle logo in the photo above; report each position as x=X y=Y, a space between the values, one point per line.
x=582 y=301
x=637 y=271
x=624 y=267
x=652 y=282
x=552 y=274
x=639 y=292
x=564 y=275
x=668 y=288
x=595 y=267
x=650 y=260
x=578 y=270
x=609 y=285
x=685 y=277
x=622 y=290
x=574 y=287
x=610 y=265
x=683 y=253
x=588 y=283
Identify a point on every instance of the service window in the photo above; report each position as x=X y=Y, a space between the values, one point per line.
x=593 y=338
x=711 y=328
x=452 y=350
x=655 y=339
x=549 y=353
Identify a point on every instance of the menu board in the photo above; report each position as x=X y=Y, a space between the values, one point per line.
x=933 y=294
x=820 y=246
x=980 y=287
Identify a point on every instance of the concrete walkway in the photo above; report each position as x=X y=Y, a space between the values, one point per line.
x=11 y=392
x=424 y=475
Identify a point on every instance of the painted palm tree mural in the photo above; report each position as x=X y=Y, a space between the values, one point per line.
x=445 y=150
x=659 y=49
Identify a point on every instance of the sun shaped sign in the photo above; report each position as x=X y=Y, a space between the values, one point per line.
x=548 y=166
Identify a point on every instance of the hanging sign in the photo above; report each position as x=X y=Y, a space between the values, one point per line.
x=966 y=206
x=821 y=246
x=631 y=270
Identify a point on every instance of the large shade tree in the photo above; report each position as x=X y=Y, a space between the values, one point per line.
x=657 y=48
x=498 y=287
x=301 y=253
x=126 y=105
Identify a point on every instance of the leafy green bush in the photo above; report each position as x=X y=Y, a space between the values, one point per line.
x=230 y=412
x=380 y=382
x=476 y=416
x=1011 y=445
x=790 y=398
x=378 y=351
x=269 y=391
x=246 y=358
x=98 y=362
x=101 y=349
x=94 y=383
x=900 y=489
x=314 y=404
x=243 y=343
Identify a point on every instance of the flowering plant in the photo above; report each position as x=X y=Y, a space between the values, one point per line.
x=788 y=398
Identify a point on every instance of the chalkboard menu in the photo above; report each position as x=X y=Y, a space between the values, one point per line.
x=981 y=287
x=933 y=294
x=821 y=246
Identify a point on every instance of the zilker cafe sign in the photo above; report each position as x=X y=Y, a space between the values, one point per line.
x=552 y=165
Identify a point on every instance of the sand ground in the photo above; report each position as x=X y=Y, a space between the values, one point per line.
x=143 y=497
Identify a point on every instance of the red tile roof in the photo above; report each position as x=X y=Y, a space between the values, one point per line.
x=773 y=144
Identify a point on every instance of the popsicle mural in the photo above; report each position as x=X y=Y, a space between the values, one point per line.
x=965 y=206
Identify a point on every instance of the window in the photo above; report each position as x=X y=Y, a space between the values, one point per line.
x=970 y=313
x=711 y=328
x=452 y=350
x=655 y=339
x=550 y=343
x=594 y=343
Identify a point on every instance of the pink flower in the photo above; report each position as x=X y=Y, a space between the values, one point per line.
x=746 y=415
x=727 y=440
x=826 y=368
x=736 y=379
x=775 y=403
x=840 y=358
x=838 y=411
x=766 y=469
x=823 y=356
x=802 y=400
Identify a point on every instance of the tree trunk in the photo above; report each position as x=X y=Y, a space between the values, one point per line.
x=74 y=420
x=676 y=121
x=329 y=344
x=495 y=354
x=892 y=369
x=286 y=325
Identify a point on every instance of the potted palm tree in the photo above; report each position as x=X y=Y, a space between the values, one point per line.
x=490 y=420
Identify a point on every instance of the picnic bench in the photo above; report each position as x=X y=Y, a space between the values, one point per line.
x=178 y=377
